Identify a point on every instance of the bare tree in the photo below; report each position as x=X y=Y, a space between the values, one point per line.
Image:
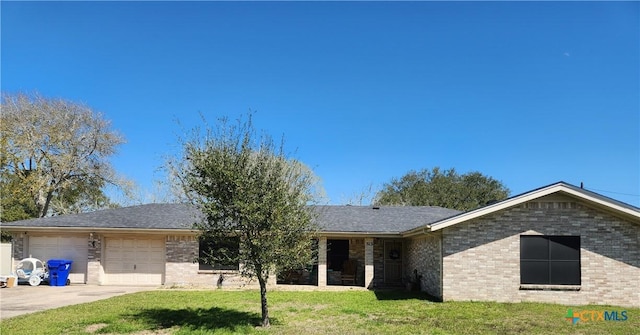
x=59 y=151
x=362 y=198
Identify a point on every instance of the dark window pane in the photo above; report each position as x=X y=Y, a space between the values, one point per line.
x=551 y=260
x=534 y=247
x=222 y=251
x=204 y=266
x=564 y=273
x=564 y=248
x=534 y=272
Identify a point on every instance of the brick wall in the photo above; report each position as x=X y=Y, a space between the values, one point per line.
x=424 y=255
x=378 y=263
x=17 y=240
x=182 y=268
x=356 y=251
x=95 y=271
x=481 y=258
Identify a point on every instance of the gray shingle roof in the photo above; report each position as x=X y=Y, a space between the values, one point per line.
x=359 y=219
x=382 y=219
x=149 y=216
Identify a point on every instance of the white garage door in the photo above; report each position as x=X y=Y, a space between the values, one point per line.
x=74 y=248
x=134 y=261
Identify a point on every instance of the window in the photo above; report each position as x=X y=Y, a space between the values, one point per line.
x=222 y=253
x=550 y=260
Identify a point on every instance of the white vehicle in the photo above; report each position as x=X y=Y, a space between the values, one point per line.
x=32 y=270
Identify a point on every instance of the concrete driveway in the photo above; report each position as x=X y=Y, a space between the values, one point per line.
x=24 y=299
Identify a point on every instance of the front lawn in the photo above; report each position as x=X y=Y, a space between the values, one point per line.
x=354 y=312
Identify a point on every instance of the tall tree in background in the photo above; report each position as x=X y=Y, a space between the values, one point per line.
x=247 y=188
x=442 y=188
x=53 y=156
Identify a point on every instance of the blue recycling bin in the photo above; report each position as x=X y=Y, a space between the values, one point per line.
x=59 y=271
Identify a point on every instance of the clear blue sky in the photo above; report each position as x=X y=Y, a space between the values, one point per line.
x=528 y=93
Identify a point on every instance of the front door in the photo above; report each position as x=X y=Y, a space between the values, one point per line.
x=393 y=263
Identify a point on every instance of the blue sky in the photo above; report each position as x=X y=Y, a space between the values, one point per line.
x=528 y=93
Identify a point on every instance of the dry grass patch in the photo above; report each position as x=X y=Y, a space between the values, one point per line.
x=95 y=327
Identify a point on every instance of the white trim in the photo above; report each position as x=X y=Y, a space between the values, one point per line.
x=555 y=188
x=545 y=287
x=348 y=234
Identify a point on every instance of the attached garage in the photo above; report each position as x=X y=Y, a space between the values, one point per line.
x=134 y=261
x=62 y=247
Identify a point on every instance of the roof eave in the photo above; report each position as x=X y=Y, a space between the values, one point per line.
x=98 y=230
x=417 y=231
x=351 y=234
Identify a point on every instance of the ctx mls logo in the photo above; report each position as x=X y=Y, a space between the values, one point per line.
x=592 y=315
x=573 y=317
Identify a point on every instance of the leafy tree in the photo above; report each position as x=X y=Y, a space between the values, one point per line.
x=15 y=202
x=442 y=188
x=247 y=188
x=54 y=156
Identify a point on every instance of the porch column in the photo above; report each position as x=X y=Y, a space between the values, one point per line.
x=322 y=262
x=368 y=262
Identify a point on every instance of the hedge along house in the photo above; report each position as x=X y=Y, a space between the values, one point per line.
x=558 y=243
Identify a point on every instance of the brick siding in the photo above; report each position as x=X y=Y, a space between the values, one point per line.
x=95 y=271
x=481 y=258
x=182 y=268
x=181 y=265
x=18 y=247
x=356 y=252
x=424 y=255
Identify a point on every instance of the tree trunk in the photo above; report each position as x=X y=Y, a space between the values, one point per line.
x=263 y=299
x=44 y=208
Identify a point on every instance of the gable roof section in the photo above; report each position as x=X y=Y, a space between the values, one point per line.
x=594 y=199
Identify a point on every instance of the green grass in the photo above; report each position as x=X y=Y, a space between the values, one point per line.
x=361 y=312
